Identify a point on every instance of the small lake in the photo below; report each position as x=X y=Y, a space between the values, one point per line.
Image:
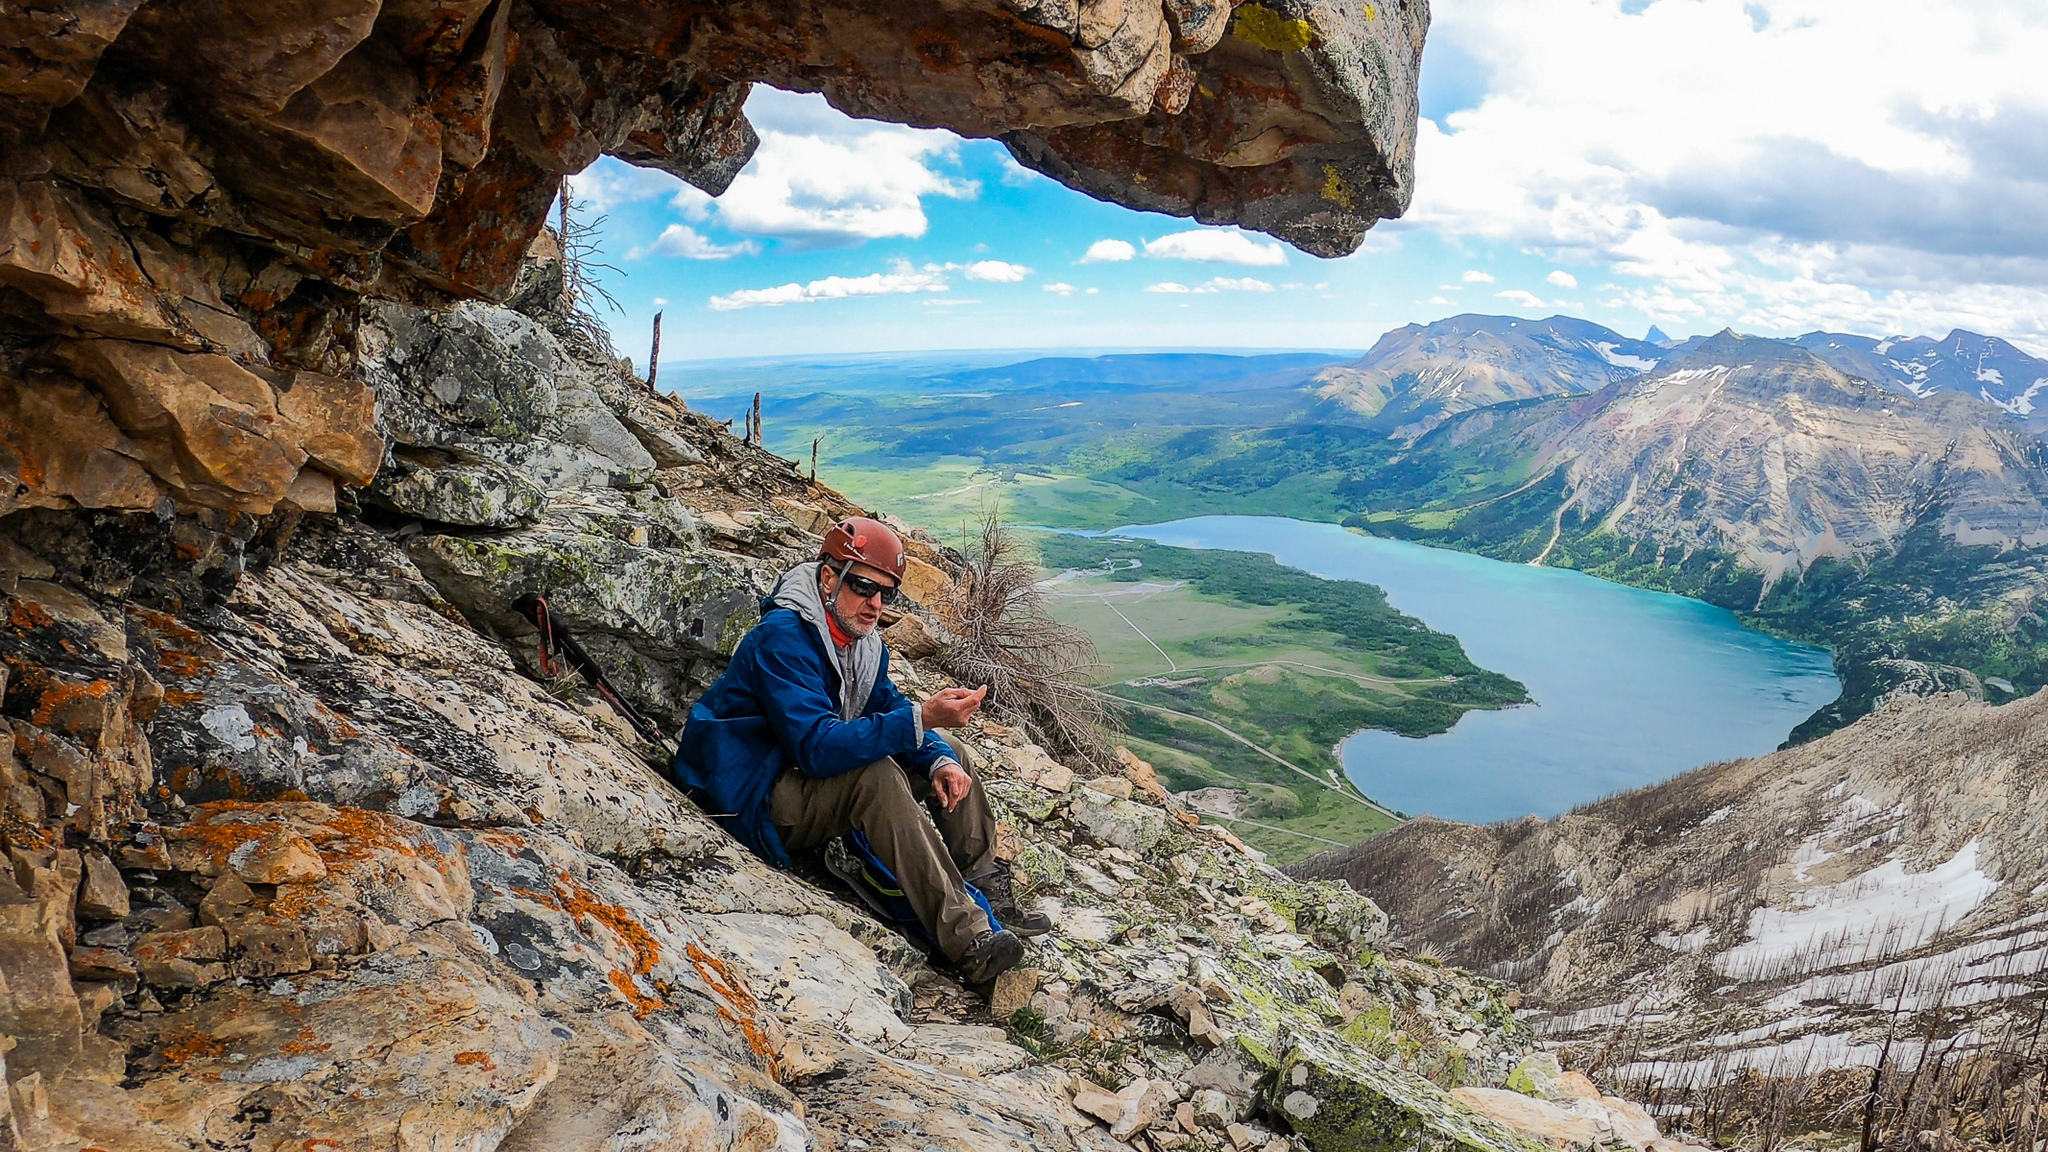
x=1631 y=687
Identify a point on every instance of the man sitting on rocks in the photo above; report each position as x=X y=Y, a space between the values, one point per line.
x=804 y=738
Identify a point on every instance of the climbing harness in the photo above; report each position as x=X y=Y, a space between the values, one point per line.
x=558 y=647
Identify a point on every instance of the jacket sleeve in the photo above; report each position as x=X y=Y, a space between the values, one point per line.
x=931 y=747
x=806 y=717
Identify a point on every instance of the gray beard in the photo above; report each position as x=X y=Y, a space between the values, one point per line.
x=850 y=627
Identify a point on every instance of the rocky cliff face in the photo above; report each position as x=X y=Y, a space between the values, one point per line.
x=1876 y=895
x=1756 y=449
x=304 y=851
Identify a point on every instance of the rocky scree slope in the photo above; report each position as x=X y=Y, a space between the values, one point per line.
x=1879 y=893
x=302 y=852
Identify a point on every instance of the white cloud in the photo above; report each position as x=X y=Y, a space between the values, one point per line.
x=1878 y=167
x=683 y=240
x=1214 y=246
x=1227 y=284
x=610 y=183
x=1563 y=279
x=901 y=279
x=997 y=271
x=1437 y=300
x=1094 y=291
x=693 y=202
x=1109 y=252
x=1060 y=289
x=821 y=178
x=1518 y=296
x=1211 y=286
x=1475 y=276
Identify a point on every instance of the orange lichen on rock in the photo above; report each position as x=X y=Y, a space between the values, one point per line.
x=360 y=831
x=63 y=694
x=194 y=1045
x=307 y=1042
x=28 y=614
x=740 y=1007
x=580 y=902
x=476 y=1059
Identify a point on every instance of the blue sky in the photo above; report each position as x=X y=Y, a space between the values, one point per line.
x=1696 y=164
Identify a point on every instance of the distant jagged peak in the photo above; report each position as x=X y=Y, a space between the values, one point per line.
x=1971 y=363
x=1420 y=375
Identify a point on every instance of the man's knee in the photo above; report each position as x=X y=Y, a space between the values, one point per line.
x=959 y=749
x=881 y=783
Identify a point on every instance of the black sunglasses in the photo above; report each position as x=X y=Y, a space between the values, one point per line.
x=863 y=587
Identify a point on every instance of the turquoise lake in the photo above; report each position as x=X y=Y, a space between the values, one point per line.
x=1631 y=687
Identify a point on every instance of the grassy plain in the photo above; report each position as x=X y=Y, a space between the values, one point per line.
x=1240 y=673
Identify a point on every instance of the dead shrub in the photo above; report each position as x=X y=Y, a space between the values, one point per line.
x=1037 y=668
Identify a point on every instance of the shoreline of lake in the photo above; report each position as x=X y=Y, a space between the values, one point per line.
x=1630 y=687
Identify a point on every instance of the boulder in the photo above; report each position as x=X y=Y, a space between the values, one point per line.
x=910 y=638
x=499 y=385
x=102 y=894
x=965 y=1049
x=651 y=615
x=1013 y=990
x=1333 y=1098
x=1126 y=825
x=448 y=487
x=928 y=584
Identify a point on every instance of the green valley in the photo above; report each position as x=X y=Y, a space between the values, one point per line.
x=1240 y=674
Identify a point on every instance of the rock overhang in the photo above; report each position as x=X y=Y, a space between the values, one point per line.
x=197 y=196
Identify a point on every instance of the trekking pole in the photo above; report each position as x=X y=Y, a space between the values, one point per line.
x=557 y=647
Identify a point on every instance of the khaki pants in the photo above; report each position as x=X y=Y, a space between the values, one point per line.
x=928 y=848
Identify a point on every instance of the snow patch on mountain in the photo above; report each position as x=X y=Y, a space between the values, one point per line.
x=1883 y=912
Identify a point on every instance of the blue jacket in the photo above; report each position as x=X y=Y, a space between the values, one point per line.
x=777 y=706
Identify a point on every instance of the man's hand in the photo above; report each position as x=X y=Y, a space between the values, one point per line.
x=953 y=707
x=951 y=783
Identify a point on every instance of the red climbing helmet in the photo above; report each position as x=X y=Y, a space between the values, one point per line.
x=871 y=542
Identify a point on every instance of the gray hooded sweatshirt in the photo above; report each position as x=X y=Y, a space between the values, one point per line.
x=859 y=662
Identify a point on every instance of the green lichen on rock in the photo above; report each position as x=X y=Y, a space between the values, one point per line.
x=1335 y=1099
x=470 y=493
x=1330 y=912
x=1535 y=1075
x=1043 y=866
x=1127 y=825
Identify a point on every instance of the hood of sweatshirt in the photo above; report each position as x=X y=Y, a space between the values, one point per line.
x=859 y=662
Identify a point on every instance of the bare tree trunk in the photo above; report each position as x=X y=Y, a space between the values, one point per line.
x=814 y=458
x=757 y=417
x=654 y=354
x=562 y=235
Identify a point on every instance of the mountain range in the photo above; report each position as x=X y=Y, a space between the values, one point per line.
x=1420 y=375
x=1417 y=376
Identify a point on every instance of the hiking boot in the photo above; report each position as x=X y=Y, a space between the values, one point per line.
x=996 y=884
x=993 y=954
